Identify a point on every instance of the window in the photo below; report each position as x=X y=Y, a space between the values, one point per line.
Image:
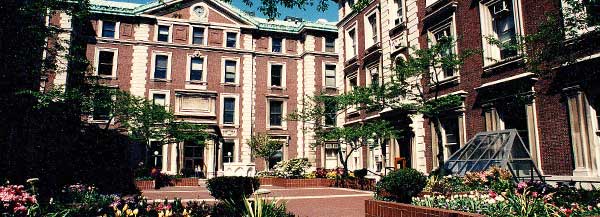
x=276 y=45
x=500 y=25
x=109 y=29
x=227 y=156
x=352 y=42
x=331 y=150
x=451 y=135
x=231 y=39
x=374 y=76
x=330 y=113
x=329 y=44
x=198 y=35
x=159 y=99
x=161 y=66
x=196 y=68
x=592 y=9
x=230 y=71
x=275 y=113
x=330 y=76
x=106 y=64
x=276 y=75
x=163 y=33
x=228 y=110
x=399 y=6
x=353 y=82
x=444 y=35
x=373 y=29
x=101 y=105
x=504 y=26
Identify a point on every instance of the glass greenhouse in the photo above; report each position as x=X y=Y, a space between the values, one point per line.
x=503 y=148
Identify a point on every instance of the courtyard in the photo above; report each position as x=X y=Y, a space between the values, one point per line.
x=318 y=202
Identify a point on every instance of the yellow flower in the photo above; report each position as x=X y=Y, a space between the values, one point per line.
x=168 y=213
x=118 y=213
x=161 y=214
x=185 y=212
x=129 y=212
x=125 y=208
x=135 y=212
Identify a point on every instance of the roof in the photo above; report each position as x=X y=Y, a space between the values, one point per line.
x=134 y=9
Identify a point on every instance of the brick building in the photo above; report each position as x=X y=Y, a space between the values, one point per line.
x=211 y=64
x=555 y=115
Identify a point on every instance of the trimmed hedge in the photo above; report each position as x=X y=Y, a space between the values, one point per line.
x=401 y=185
x=232 y=187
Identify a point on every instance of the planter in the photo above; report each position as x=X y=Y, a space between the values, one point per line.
x=376 y=208
x=184 y=182
x=145 y=184
x=301 y=183
x=359 y=184
x=266 y=180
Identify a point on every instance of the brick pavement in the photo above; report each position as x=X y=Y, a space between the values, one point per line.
x=311 y=202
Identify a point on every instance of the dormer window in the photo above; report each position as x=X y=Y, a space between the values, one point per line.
x=109 y=29
x=163 y=33
x=276 y=45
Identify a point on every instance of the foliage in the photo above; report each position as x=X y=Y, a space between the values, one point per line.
x=360 y=173
x=321 y=173
x=263 y=146
x=293 y=168
x=16 y=201
x=232 y=187
x=401 y=185
x=259 y=207
x=270 y=8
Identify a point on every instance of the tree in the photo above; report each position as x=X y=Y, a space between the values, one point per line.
x=263 y=146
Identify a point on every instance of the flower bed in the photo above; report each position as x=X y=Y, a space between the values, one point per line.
x=302 y=183
x=145 y=184
x=375 y=208
x=359 y=184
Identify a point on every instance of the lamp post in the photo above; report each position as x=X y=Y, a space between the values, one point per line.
x=155 y=158
x=228 y=157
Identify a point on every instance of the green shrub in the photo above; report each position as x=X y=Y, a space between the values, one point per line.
x=360 y=173
x=293 y=168
x=401 y=185
x=232 y=187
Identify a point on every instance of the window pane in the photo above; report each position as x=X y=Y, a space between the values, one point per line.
x=276 y=75
x=163 y=33
x=198 y=35
x=230 y=69
x=275 y=109
x=160 y=70
x=231 y=39
x=108 y=29
x=276 y=45
x=228 y=110
x=196 y=68
x=330 y=44
x=101 y=104
x=592 y=9
x=105 y=62
x=159 y=99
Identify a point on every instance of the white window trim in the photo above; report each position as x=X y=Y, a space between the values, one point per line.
x=368 y=29
x=101 y=27
x=283 y=74
x=283 y=114
x=491 y=53
x=282 y=44
x=115 y=61
x=449 y=22
x=167 y=94
x=237 y=38
x=191 y=34
x=153 y=65
x=349 y=50
x=323 y=77
x=189 y=68
x=237 y=70
x=354 y=108
x=394 y=12
x=236 y=120
x=170 y=40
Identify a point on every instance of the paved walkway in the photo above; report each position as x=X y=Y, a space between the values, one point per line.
x=311 y=202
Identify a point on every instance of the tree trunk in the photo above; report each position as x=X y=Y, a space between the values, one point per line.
x=440 y=143
x=267 y=159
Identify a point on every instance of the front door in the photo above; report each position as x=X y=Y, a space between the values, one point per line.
x=193 y=157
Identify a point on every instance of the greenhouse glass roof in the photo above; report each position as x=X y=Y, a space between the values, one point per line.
x=504 y=149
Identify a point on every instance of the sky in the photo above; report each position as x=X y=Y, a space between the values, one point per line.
x=310 y=13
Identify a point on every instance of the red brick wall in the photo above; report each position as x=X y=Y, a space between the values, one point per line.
x=375 y=208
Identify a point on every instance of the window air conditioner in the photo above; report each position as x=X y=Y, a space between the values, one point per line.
x=500 y=8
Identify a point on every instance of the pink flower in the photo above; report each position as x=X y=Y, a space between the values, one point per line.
x=522 y=185
x=534 y=194
x=492 y=194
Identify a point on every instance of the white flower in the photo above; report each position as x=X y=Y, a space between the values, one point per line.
x=500 y=198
